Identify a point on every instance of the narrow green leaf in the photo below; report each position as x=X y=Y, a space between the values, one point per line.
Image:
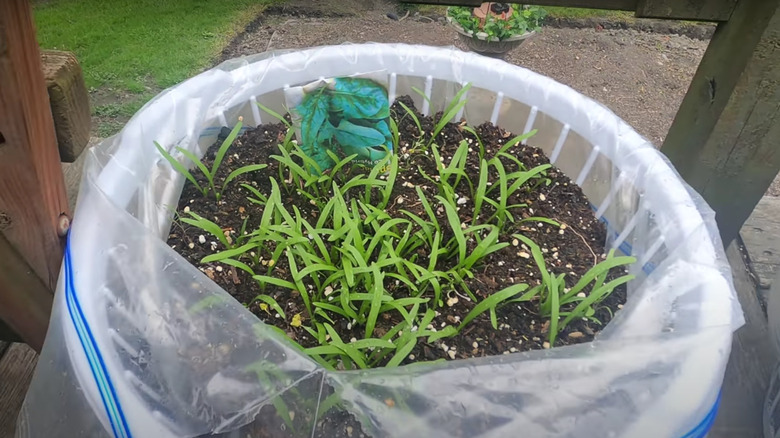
x=471 y=131
x=482 y=249
x=413 y=115
x=427 y=207
x=259 y=196
x=555 y=309
x=451 y=111
x=516 y=140
x=263 y=279
x=207 y=226
x=446 y=332
x=275 y=115
x=378 y=291
x=596 y=296
x=240 y=265
x=494 y=300
x=540 y=219
x=240 y=171
x=521 y=178
x=480 y=193
x=178 y=167
x=319 y=267
x=299 y=286
x=350 y=351
x=323 y=350
x=361 y=344
x=331 y=307
x=225 y=146
x=202 y=167
x=454 y=221
x=401 y=353
x=599 y=269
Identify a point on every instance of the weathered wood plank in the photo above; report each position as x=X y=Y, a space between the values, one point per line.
x=25 y=301
x=32 y=192
x=72 y=173
x=704 y=10
x=761 y=235
x=724 y=138
x=69 y=102
x=16 y=371
x=750 y=364
x=7 y=334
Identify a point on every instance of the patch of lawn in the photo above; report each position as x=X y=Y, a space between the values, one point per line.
x=131 y=49
x=136 y=44
x=109 y=117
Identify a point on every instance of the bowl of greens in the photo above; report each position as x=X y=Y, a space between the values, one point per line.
x=494 y=29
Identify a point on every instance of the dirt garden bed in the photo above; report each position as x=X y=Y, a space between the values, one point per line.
x=549 y=234
x=553 y=212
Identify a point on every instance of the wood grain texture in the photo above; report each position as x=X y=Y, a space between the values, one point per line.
x=32 y=191
x=69 y=102
x=7 y=334
x=72 y=173
x=16 y=370
x=703 y=10
x=761 y=235
x=724 y=138
x=750 y=364
x=25 y=301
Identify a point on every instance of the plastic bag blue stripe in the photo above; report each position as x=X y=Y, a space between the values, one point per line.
x=93 y=356
x=97 y=365
x=80 y=331
x=700 y=431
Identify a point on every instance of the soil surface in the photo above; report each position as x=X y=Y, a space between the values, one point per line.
x=571 y=246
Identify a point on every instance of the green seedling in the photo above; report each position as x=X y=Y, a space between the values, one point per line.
x=554 y=296
x=210 y=174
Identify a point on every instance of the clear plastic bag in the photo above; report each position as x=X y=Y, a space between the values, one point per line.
x=126 y=355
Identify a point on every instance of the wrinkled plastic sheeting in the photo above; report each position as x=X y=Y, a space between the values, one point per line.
x=141 y=343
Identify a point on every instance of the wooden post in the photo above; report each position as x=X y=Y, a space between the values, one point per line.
x=32 y=192
x=705 y=10
x=69 y=102
x=725 y=139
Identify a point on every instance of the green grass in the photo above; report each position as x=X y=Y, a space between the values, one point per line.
x=134 y=44
x=129 y=50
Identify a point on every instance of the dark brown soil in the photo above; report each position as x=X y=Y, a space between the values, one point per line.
x=572 y=248
x=571 y=251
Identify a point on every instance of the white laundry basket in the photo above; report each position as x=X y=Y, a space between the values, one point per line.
x=125 y=355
